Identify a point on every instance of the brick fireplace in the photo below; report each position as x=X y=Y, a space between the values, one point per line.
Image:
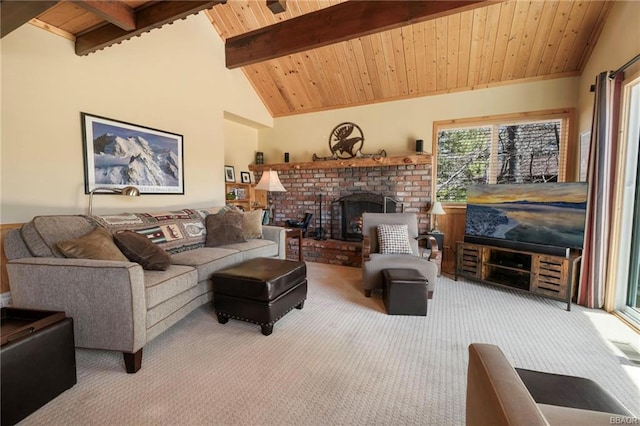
x=407 y=180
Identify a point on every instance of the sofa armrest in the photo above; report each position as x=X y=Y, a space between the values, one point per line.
x=106 y=299
x=276 y=234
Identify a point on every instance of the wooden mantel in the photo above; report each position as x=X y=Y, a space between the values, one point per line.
x=345 y=163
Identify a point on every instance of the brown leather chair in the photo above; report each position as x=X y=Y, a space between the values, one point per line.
x=498 y=394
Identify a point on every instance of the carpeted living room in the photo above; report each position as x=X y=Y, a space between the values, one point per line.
x=252 y=212
x=342 y=360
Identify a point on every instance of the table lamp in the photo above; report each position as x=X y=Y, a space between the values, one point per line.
x=436 y=210
x=270 y=182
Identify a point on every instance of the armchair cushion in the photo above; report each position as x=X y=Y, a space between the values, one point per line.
x=394 y=239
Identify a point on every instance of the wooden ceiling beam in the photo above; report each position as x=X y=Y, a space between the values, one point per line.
x=14 y=14
x=147 y=18
x=115 y=12
x=344 y=21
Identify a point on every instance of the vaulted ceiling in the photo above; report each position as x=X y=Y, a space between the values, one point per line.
x=429 y=51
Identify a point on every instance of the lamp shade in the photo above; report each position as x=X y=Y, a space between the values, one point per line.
x=436 y=208
x=270 y=182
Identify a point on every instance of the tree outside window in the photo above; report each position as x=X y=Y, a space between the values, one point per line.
x=495 y=153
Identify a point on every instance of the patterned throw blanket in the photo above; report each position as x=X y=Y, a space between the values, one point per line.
x=174 y=231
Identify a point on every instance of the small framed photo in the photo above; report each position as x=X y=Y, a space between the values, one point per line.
x=245 y=177
x=229 y=174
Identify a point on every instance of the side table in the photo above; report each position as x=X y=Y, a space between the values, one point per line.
x=295 y=233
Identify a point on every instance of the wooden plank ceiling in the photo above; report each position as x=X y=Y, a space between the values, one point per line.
x=497 y=43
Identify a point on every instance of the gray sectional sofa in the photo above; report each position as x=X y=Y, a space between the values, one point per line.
x=117 y=305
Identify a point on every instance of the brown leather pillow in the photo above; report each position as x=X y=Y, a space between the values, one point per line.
x=140 y=249
x=224 y=228
x=97 y=244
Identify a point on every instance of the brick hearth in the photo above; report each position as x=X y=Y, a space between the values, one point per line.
x=409 y=182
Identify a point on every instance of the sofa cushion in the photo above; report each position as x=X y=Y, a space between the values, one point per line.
x=97 y=244
x=163 y=285
x=224 y=228
x=252 y=225
x=255 y=248
x=137 y=248
x=207 y=260
x=41 y=234
x=163 y=315
x=174 y=231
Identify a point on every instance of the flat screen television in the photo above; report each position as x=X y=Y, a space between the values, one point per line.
x=538 y=217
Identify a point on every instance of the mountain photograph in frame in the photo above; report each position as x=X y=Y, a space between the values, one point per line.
x=119 y=154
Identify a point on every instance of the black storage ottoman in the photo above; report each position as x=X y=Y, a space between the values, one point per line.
x=260 y=290
x=38 y=360
x=404 y=292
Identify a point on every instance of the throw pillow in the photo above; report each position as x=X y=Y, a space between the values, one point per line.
x=224 y=228
x=140 y=249
x=97 y=244
x=252 y=225
x=394 y=239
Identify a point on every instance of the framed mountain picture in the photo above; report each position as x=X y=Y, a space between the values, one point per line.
x=119 y=154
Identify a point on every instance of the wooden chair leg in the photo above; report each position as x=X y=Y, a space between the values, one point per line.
x=367 y=293
x=133 y=361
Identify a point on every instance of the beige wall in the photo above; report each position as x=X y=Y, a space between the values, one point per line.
x=171 y=79
x=394 y=126
x=618 y=43
x=241 y=143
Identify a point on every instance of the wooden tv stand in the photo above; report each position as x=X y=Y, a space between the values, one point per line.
x=542 y=274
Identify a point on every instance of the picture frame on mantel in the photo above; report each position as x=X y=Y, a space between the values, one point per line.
x=229 y=174
x=245 y=177
x=118 y=154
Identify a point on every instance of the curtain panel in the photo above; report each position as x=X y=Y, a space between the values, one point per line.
x=600 y=177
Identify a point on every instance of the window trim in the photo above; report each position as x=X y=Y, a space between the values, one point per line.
x=568 y=167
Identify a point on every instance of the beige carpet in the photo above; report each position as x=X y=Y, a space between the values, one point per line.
x=339 y=361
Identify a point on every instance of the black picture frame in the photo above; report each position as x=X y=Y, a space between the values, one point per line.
x=152 y=160
x=245 y=177
x=229 y=174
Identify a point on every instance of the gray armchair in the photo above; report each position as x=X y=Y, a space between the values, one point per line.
x=373 y=262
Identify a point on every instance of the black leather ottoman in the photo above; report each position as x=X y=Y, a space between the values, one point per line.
x=38 y=360
x=260 y=291
x=404 y=292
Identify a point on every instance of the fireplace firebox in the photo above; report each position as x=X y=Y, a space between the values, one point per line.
x=346 y=213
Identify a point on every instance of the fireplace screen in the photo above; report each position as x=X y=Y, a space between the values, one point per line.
x=346 y=213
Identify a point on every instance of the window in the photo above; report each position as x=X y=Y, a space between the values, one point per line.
x=506 y=149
